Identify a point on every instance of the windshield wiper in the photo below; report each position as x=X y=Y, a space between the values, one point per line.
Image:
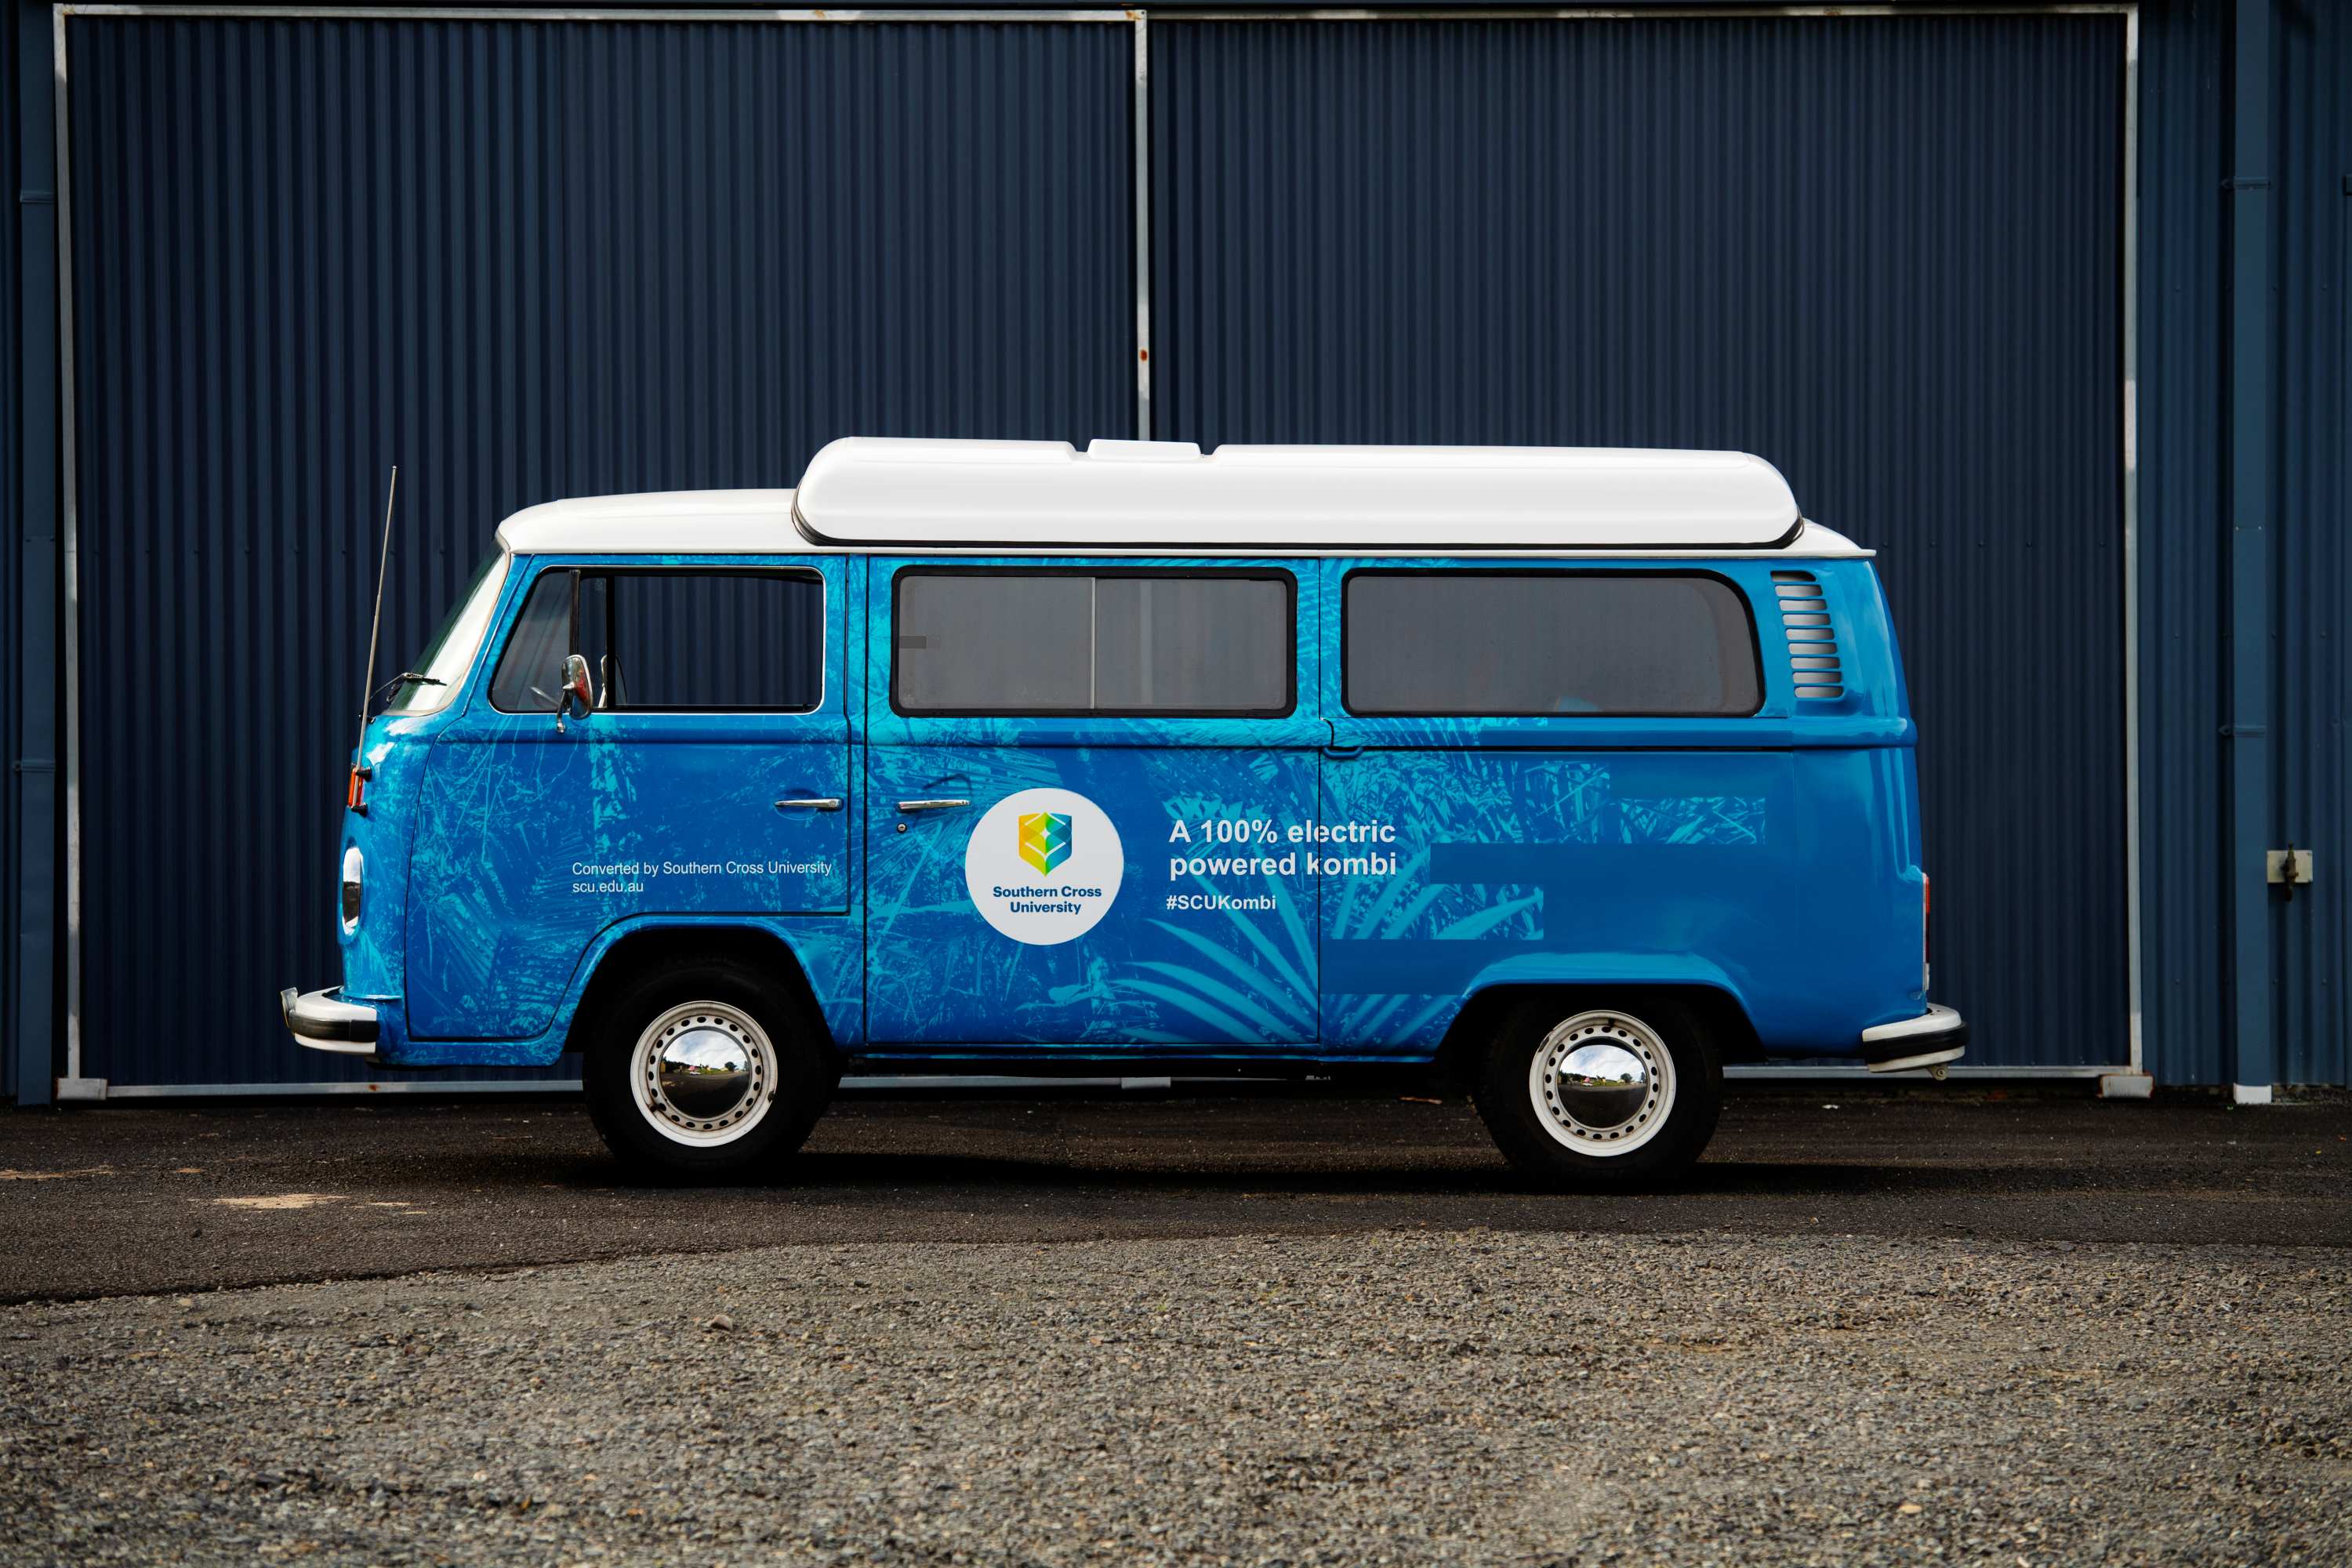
x=418 y=676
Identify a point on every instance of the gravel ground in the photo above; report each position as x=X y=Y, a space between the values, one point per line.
x=1457 y=1396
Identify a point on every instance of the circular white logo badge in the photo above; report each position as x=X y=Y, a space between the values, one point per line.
x=1044 y=866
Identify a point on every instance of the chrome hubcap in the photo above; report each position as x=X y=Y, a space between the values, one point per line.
x=705 y=1073
x=1602 y=1083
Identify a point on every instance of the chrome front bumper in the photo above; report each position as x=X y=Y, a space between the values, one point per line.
x=325 y=1022
x=1934 y=1037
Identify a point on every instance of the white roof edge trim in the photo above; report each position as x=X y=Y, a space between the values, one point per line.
x=877 y=492
x=613 y=525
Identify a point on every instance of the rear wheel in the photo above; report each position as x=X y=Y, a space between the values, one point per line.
x=706 y=1071
x=1603 y=1096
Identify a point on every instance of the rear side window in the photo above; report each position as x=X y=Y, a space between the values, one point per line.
x=672 y=642
x=1541 y=643
x=1097 y=643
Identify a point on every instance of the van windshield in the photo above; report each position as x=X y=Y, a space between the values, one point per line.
x=426 y=686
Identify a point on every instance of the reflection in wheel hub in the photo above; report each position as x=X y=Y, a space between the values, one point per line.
x=705 y=1073
x=1602 y=1085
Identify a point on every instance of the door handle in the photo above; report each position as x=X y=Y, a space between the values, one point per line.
x=811 y=802
x=945 y=805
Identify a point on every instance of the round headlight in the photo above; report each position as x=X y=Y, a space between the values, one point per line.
x=354 y=874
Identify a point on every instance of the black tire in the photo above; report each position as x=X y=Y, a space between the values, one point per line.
x=724 y=998
x=1662 y=1141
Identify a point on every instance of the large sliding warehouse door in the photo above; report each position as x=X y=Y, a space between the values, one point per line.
x=1883 y=252
x=524 y=260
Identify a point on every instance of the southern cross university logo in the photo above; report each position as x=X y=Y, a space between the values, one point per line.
x=1045 y=839
x=1022 y=881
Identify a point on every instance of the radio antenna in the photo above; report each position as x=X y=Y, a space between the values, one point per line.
x=384 y=560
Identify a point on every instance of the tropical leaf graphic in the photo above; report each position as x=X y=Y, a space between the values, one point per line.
x=1273 y=1005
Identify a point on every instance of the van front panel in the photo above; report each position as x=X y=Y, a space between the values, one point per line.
x=394 y=750
x=701 y=790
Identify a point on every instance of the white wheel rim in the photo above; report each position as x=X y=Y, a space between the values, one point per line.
x=703 y=1073
x=1566 y=1110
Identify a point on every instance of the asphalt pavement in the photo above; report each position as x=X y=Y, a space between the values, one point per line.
x=112 y=1201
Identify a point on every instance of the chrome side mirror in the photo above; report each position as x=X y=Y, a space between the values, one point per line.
x=576 y=688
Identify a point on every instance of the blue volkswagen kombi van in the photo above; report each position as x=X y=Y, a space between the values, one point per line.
x=1570 y=773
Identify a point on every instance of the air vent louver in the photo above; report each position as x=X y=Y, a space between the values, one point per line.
x=1812 y=641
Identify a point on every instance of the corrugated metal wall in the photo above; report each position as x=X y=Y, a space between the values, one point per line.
x=1883 y=251
x=12 y=470
x=528 y=260
x=524 y=260
x=2185 y=529
x=2183 y=533
x=2314 y=667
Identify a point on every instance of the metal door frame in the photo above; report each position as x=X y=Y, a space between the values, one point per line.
x=2129 y=1077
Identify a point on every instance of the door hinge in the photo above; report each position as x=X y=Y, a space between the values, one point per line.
x=2287 y=869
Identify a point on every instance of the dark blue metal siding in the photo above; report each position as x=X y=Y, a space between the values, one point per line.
x=33 y=970
x=2185 y=529
x=528 y=260
x=2313 y=143
x=524 y=260
x=12 y=470
x=1883 y=252
x=2183 y=540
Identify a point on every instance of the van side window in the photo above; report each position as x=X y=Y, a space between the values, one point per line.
x=672 y=642
x=683 y=641
x=1199 y=643
x=1524 y=644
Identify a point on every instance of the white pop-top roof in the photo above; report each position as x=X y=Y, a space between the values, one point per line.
x=1165 y=497
x=684 y=523
x=869 y=492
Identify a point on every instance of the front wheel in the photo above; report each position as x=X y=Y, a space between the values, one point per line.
x=704 y=1072
x=1603 y=1096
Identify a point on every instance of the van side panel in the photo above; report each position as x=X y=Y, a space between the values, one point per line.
x=1775 y=857
x=1771 y=856
x=1509 y=855
x=1180 y=957
x=1776 y=870
x=1153 y=974
x=829 y=949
